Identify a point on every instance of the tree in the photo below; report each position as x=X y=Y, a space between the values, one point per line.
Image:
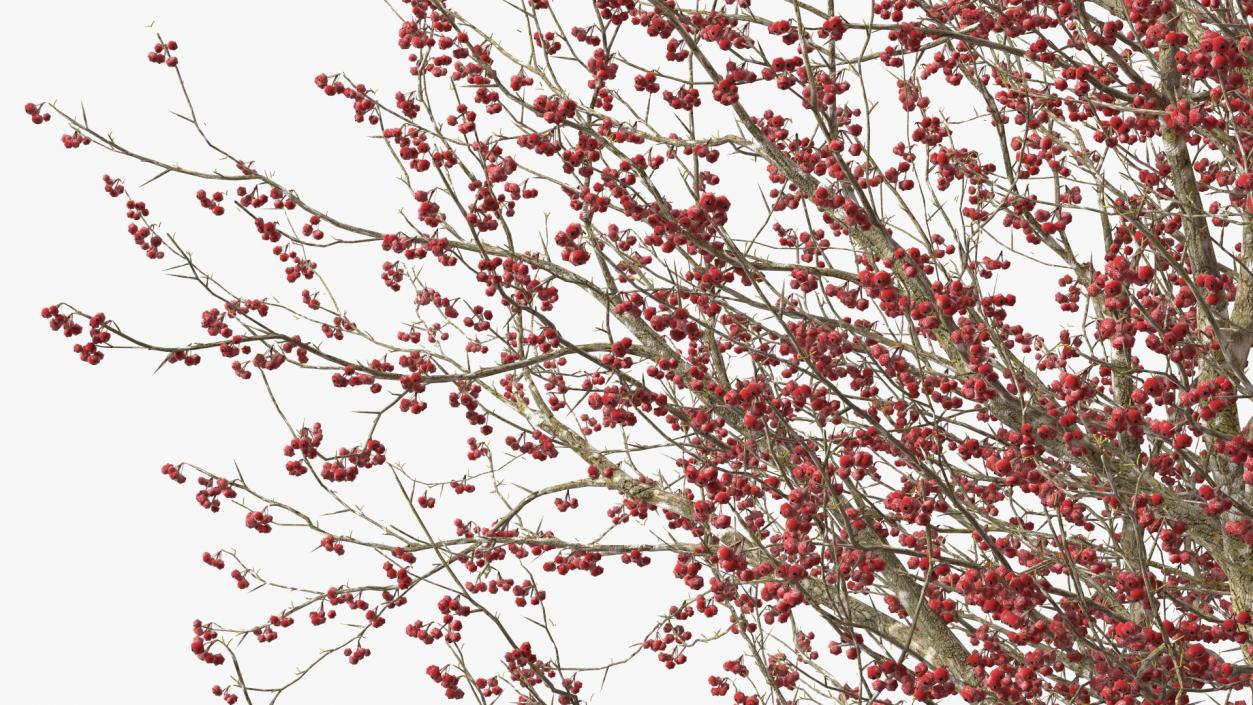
x=698 y=262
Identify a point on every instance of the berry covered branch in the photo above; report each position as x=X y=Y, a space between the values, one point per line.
x=902 y=344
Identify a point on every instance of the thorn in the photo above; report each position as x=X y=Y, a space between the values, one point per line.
x=163 y=173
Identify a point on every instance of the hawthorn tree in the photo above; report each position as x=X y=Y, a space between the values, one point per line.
x=911 y=336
